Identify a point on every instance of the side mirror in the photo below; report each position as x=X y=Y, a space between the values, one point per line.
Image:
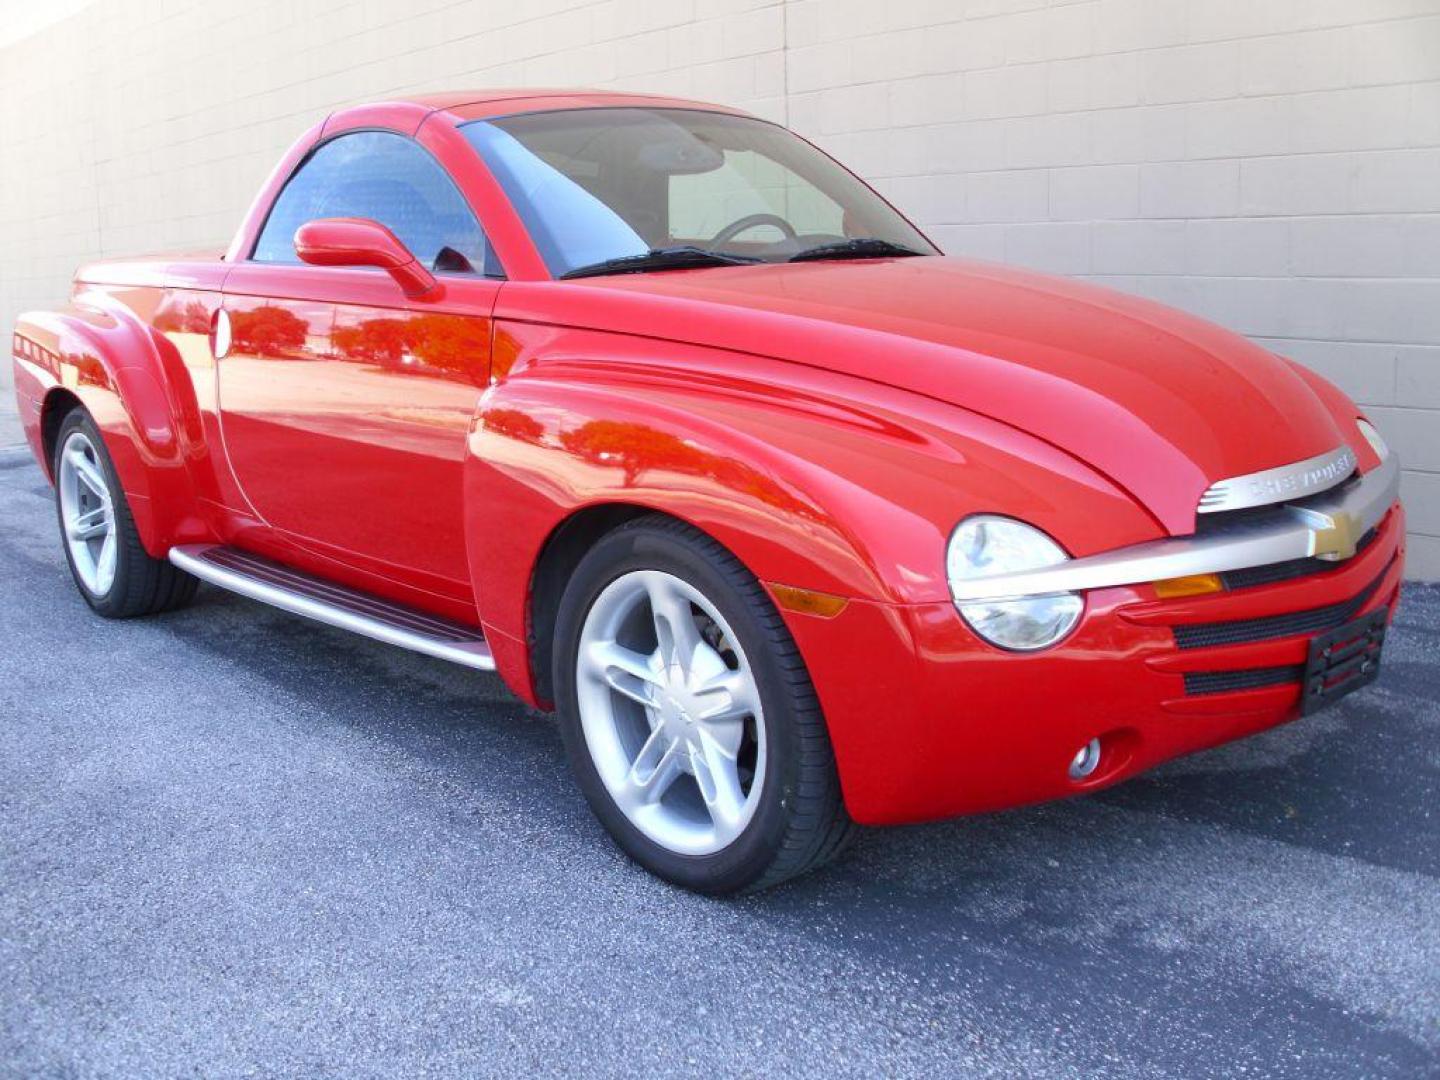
x=362 y=242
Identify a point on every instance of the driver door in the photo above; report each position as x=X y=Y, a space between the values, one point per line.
x=346 y=405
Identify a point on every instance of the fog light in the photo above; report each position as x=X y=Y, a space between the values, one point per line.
x=1086 y=760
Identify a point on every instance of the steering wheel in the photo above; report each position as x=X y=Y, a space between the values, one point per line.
x=751 y=221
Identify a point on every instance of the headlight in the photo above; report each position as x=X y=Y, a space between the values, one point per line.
x=1373 y=438
x=985 y=545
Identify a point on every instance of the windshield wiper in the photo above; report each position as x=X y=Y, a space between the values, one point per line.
x=669 y=258
x=862 y=247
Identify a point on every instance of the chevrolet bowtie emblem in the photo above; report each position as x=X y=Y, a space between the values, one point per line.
x=1333 y=533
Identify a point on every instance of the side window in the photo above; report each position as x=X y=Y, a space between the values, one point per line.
x=389 y=179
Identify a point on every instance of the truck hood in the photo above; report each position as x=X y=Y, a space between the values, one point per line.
x=1161 y=402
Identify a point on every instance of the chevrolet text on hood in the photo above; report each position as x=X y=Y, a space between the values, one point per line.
x=660 y=413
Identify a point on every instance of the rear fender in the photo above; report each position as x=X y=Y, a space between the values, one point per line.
x=100 y=352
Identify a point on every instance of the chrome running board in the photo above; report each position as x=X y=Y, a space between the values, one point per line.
x=335 y=605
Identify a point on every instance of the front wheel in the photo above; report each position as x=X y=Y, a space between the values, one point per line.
x=688 y=716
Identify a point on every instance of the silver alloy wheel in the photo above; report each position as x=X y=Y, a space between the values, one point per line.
x=671 y=712
x=87 y=513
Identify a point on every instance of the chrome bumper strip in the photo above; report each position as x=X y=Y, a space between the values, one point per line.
x=1327 y=526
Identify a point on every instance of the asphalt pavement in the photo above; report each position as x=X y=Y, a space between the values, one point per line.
x=233 y=842
x=10 y=430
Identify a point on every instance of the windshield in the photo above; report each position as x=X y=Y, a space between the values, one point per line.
x=596 y=185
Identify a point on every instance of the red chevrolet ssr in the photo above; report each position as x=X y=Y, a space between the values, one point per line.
x=656 y=410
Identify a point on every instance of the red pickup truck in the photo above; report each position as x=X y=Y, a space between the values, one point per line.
x=656 y=410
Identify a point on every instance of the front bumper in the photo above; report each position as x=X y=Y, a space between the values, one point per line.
x=929 y=722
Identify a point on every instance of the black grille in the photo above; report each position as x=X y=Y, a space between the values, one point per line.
x=1289 y=624
x=1287 y=571
x=1218 y=682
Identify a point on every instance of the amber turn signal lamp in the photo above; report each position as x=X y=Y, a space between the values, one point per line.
x=1190 y=585
x=808 y=602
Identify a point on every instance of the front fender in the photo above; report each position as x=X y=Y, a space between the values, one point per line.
x=822 y=482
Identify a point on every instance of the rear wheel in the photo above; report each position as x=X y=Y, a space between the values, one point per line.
x=688 y=716
x=114 y=573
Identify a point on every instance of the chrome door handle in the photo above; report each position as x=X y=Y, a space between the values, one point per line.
x=220 y=334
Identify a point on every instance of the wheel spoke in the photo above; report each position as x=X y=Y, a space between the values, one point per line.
x=88 y=473
x=675 y=630
x=655 y=767
x=105 y=564
x=729 y=697
x=718 y=777
x=624 y=670
x=91 y=524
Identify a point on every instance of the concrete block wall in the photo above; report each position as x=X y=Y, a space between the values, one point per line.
x=1271 y=164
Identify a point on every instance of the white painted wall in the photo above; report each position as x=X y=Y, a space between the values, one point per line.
x=1271 y=164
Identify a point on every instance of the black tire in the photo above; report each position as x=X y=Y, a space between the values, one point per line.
x=142 y=585
x=800 y=820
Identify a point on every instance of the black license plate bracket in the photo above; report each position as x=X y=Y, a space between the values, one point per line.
x=1343 y=660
